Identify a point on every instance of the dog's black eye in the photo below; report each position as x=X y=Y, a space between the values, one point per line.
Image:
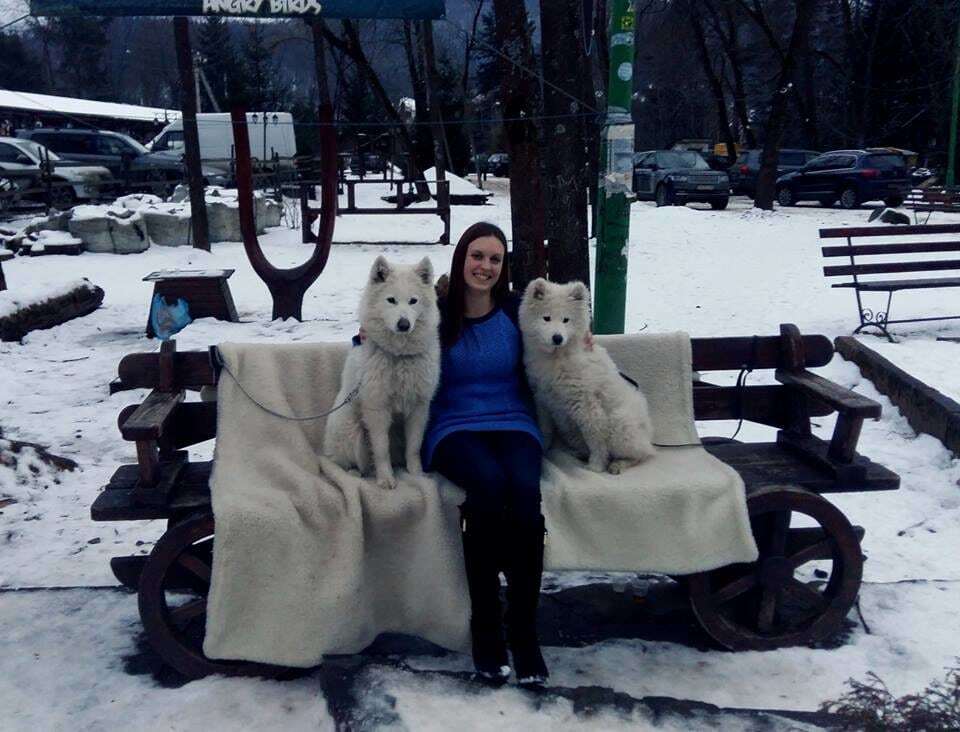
x=546 y=318
x=413 y=301
x=392 y=300
x=566 y=320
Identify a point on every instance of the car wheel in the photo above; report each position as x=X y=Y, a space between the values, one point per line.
x=785 y=196
x=720 y=204
x=893 y=201
x=664 y=196
x=62 y=195
x=849 y=198
x=827 y=202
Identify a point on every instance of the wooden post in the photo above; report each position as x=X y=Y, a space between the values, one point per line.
x=191 y=138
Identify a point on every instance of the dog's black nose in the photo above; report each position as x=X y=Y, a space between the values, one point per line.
x=557 y=339
x=403 y=325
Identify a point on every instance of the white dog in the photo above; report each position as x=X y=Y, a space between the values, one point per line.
x=394 y=372
x=578 y=391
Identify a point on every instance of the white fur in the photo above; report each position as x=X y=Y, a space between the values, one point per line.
x=579 y=393
x=397 y=372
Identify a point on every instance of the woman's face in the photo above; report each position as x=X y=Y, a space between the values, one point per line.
x=484 y=262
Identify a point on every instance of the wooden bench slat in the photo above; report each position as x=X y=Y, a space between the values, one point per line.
x=764 y=404
x=891 y=267
x=147 y=422
x=767 y=463
x=858 y=250
x=191 y=369
x=841 y=399
x=856 y=231
x=726 y=354
x=894 y=285
x=119 y=502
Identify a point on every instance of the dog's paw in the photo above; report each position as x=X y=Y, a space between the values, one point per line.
x=387 y=483
x=618 y=466
x=596 y=467
x=414 y=467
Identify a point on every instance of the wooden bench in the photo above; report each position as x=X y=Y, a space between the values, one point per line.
x=881 y=259
x=309 y=214
x=206 y=292
x=757 y=606
x=931 y=200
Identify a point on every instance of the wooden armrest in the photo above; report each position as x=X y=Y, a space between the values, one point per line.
x=150 y=418
x=843 y=400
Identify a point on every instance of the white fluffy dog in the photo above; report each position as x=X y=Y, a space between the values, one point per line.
x=578 y=391
x=395 y=372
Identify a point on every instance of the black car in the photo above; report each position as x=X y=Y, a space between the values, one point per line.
x=498 y=165
x=848 y=176
x=126 y=159
x=743 y=173
x=676 y=177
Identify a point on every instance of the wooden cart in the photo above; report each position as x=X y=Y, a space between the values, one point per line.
x=763 y=605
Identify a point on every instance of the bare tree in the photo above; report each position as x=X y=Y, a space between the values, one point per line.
x=519 y=100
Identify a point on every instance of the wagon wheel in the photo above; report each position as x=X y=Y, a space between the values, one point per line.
x=173 y=593
x=764 y=605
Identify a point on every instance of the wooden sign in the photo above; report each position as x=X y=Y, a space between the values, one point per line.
x=407 y=9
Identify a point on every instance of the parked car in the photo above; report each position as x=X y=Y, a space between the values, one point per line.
x=128 y=160
x=678 y=176
x=848 y=176
x=215 y=135
x=22 y=162
x=498 y=165
x=743 y=173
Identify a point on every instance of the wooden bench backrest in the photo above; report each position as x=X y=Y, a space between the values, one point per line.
x=195 y=422
x=892 y=242
x=936 y=199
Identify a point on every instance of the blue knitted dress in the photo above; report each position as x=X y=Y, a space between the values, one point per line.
x=482 y=384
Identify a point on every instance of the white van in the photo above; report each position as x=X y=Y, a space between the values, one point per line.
x=216 y=138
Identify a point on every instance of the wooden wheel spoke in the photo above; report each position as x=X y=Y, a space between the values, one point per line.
x=820 y=550
x=182 y=615
x=195 y=566
x=734 y=589
x=768 y=608
x=806 y=594
x=777 y=545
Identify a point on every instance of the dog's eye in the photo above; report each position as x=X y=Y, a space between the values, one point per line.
x=546 y=318
x=413 y=301
x=566 y=320
x=392 y=300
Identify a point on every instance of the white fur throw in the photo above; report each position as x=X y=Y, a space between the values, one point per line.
x=308 y=563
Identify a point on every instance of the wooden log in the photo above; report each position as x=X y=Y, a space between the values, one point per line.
x=51 y=313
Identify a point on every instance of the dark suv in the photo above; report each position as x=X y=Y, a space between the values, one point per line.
x=675 y=177
x=743 y=173
x=126 y=158
x=848 y=176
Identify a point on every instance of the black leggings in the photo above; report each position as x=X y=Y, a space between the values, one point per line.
x=498 y=470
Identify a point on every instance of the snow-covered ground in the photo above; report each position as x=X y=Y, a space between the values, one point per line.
x=74 y=657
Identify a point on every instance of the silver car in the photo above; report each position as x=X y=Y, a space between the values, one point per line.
x=22 y=161
x=675 y=177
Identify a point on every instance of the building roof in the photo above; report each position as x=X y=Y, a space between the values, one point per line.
x=44 y=103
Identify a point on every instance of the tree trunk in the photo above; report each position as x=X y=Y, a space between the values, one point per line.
x=767 y=175
x=518 y=98
x=565 y=190
x=441 y=149
x=713 y=80
x=191 y=138
x=423 y=141
x=731 y=46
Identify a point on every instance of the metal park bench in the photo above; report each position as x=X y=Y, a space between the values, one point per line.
x=883 y=258
x=932 y=200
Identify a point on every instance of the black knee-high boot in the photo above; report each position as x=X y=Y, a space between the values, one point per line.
x=524 y=570
x=481 y=536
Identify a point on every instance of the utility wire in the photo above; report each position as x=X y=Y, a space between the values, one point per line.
x=14 y=22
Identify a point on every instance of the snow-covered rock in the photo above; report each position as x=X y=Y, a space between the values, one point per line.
x=168 y=225
x=112 y=230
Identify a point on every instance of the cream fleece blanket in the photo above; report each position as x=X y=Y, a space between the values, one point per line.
x=309 y=562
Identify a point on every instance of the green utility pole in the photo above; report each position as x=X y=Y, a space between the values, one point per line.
x=616 y=173
x=955 y=110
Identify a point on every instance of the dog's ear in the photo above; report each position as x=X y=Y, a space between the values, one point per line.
x=537 y=289
x=380 y=270
x=424 y=270
x=578 y=291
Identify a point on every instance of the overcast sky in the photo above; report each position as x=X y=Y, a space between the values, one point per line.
x=12 y=9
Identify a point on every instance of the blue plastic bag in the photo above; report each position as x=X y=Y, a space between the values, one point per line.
x=167 y=320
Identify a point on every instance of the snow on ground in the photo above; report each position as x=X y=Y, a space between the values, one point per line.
x=79 y=662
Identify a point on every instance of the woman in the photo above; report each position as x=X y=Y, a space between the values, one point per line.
x=483 y=437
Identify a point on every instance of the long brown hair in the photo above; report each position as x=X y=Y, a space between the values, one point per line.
x=452 y=322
